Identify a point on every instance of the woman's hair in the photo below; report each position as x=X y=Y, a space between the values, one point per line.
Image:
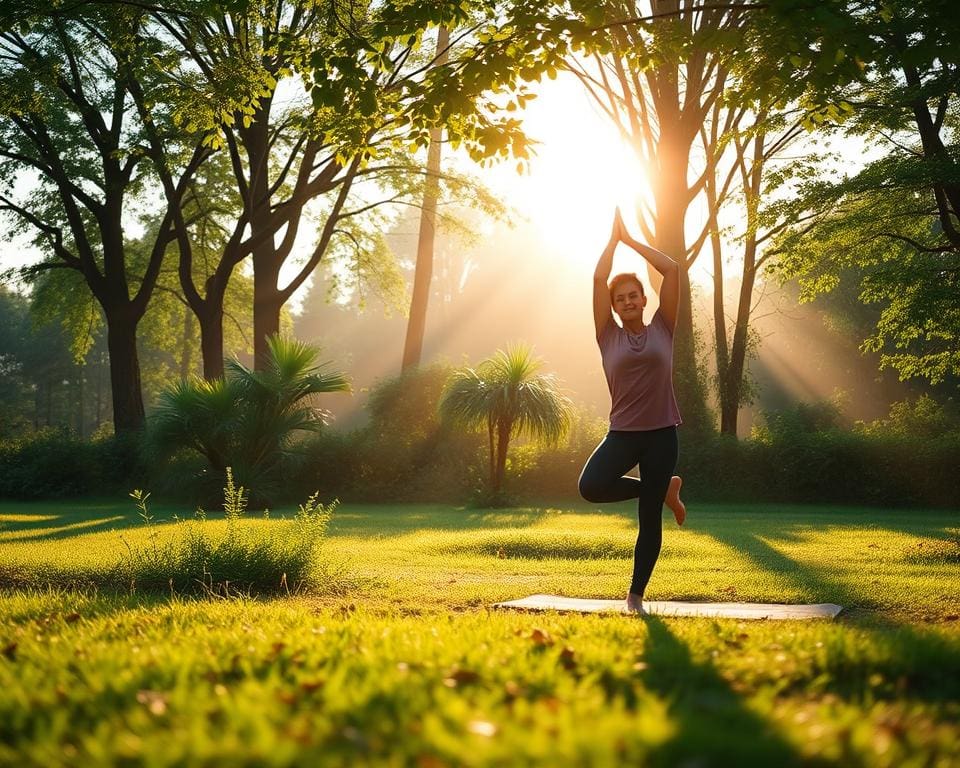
x=624 y=277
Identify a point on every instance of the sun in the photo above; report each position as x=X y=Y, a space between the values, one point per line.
x=581 y=172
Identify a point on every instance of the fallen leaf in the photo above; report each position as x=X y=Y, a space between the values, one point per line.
x=10 y=651
x=540 y=637
x=459 y=676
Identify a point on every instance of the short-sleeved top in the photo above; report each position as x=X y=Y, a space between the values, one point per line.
x=639 y=371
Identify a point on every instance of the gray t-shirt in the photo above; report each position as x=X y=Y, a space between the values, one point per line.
x=639 y=371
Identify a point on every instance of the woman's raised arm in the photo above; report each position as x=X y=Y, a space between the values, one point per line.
x=601 y=293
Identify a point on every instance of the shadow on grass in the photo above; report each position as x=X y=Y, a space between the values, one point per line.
x=913 y=663
x=63 y=520
x=714 y=726
x=50 y=521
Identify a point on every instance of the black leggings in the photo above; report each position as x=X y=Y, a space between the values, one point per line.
x=602 y=480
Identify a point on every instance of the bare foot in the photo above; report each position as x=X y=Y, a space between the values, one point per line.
x=678 y=508
x=635 y=604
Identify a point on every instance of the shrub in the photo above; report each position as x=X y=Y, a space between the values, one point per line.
x=55 y=463
x=506 y=397
x=242 y=559
x=923 y=418
x=404 y=453
x=552 y=472
x=247 y=420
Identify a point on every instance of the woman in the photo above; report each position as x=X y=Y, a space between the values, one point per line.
x=638 y=363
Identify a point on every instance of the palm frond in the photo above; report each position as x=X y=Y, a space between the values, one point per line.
x=248 y=420
x=504 y=388
x=466 y=400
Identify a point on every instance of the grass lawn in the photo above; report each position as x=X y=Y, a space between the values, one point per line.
x=397 y=661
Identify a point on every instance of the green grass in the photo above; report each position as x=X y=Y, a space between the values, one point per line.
x=409 y=667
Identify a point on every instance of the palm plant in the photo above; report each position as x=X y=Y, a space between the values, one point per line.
x=249 y=419
x=505 y=394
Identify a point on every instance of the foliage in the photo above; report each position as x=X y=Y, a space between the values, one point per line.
x=404 y=453
x=802 y=455
x=892 y=87
x=249 y=419
x=878 y=223
x=921 y=419
x=505 y=394
x=38 y=373
x=55 y=463
x=245 y=560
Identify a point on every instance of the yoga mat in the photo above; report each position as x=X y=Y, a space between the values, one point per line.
x=668 y=608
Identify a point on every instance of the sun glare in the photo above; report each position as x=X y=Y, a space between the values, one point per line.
x=581 y=172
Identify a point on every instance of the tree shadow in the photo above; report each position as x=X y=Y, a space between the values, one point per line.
x=917 y=664
x=714 y=726
x=58 y=521
x=63 y=521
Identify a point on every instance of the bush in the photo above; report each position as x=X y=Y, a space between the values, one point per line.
x=243 y=559
x=248 y=420
x=554 y=472
x=801 y=455
x=55 y=463
x=404 y=453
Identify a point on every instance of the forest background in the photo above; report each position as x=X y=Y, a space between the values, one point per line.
x=848 y=397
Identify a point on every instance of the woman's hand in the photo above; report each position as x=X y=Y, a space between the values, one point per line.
x=618 y=230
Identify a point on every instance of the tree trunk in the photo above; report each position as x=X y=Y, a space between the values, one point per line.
x=493 y=455
x=267 y=303
x=731 y=388
x=687 y=379
x=211 y=343
x=423 y=274
x=671 y=196
x=128 y=412
x=186 y=356
x=503 y=443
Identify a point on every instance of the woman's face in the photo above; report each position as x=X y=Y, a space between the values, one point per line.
x=629 y=301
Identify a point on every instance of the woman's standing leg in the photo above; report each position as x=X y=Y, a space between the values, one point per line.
x=658 y=459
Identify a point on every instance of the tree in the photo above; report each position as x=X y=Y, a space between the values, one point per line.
x=374 y=96
x=755 y=147
x=659 y=77
x=248 y=419
x=413 y=344
x=892 y=82
x=507 y=396
x=67 y=82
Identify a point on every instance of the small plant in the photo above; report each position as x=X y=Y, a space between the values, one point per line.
x=246 y=556
x=140 y=497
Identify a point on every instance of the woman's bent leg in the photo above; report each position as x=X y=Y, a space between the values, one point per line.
x=657 y=463
x=602 y=479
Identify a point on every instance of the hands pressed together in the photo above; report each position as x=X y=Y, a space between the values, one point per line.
x=619 y=232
